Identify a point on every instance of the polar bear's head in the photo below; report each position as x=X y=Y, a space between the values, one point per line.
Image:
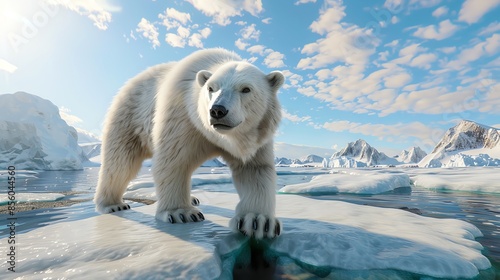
x=237 y=96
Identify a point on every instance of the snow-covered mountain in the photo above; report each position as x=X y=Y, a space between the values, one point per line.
x=282 y=161
x=86 y=137
x=466 y=144
x=414 y=155
x=359 y=154
x=33 y=135
x=312 y=159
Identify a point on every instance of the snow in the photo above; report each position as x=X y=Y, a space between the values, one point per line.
x=479 y=179
x=33 y=135
x=345 y=162
x=360 y=154
x=463 y=158
x=355 y=182
x=414 y=155
x=466 y=144
x=133 y=245
x=32 y=197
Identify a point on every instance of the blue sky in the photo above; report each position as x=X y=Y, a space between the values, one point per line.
x=396 y=73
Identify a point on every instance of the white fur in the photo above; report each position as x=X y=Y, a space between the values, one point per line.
x=164 y=112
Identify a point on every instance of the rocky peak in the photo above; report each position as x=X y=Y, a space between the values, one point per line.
x=468 y=135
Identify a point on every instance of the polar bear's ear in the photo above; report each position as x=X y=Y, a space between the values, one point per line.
x=276 y=80
x=202 y=77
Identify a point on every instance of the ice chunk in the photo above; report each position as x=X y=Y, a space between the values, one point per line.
x=32 y=197
x=356 y=182
x=459 y=179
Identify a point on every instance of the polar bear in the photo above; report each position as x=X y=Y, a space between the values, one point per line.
x=211 y=103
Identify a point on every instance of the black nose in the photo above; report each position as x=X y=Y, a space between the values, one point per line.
x=218 y=111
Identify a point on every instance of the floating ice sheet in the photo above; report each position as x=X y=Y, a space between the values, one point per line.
x=320 y=233
x=352 y=181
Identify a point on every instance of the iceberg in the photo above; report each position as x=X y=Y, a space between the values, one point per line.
x=33 y=135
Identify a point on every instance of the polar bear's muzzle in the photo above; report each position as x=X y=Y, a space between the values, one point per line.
x=219 y=120
x=222 y=114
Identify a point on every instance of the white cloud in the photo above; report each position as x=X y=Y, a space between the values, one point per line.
x=274 y=60
x=443 y=31
x=292 y=79
x=393 y=5
x=441 y=11
x=267 y=20
x=492 y=28
x=247 y=33
x=172 y=18
x=240 y=44
x=484 y=48
x=304 y=2
x=448 y=50
x=250 y=32
x=175 y=40
x=425 y=3
x=184 y=36
x=183 y=32
x=97 y=11
x=392 y=44
x=222 y=11
x=394 y=19
x=342 y=42
x=196 y=39
x=293 y=118
x=473 y=10
x=148 y=31
x=7 y=66
x=257 y=49
x=398 y=80
x=423 y=61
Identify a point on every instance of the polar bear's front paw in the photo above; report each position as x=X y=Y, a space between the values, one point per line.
x=180 y=215
x=113 y=208
x=256 y=225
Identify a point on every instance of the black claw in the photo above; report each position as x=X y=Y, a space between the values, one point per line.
x=266 y=226
x=240 y=225
x=193 y=217
x=183 y=219
x=201 y=216
x=255 y=224
x=277 y=229
x=128 y=206
x=112 y=210
x=119 y=209
x=171 y=219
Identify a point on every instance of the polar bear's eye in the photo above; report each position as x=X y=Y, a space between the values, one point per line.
x=210 y=89
x=245 y=90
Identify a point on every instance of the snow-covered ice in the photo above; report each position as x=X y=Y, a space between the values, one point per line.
x=319 y=233
x=477 y=179
x=32 y=197
x=359 y=181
